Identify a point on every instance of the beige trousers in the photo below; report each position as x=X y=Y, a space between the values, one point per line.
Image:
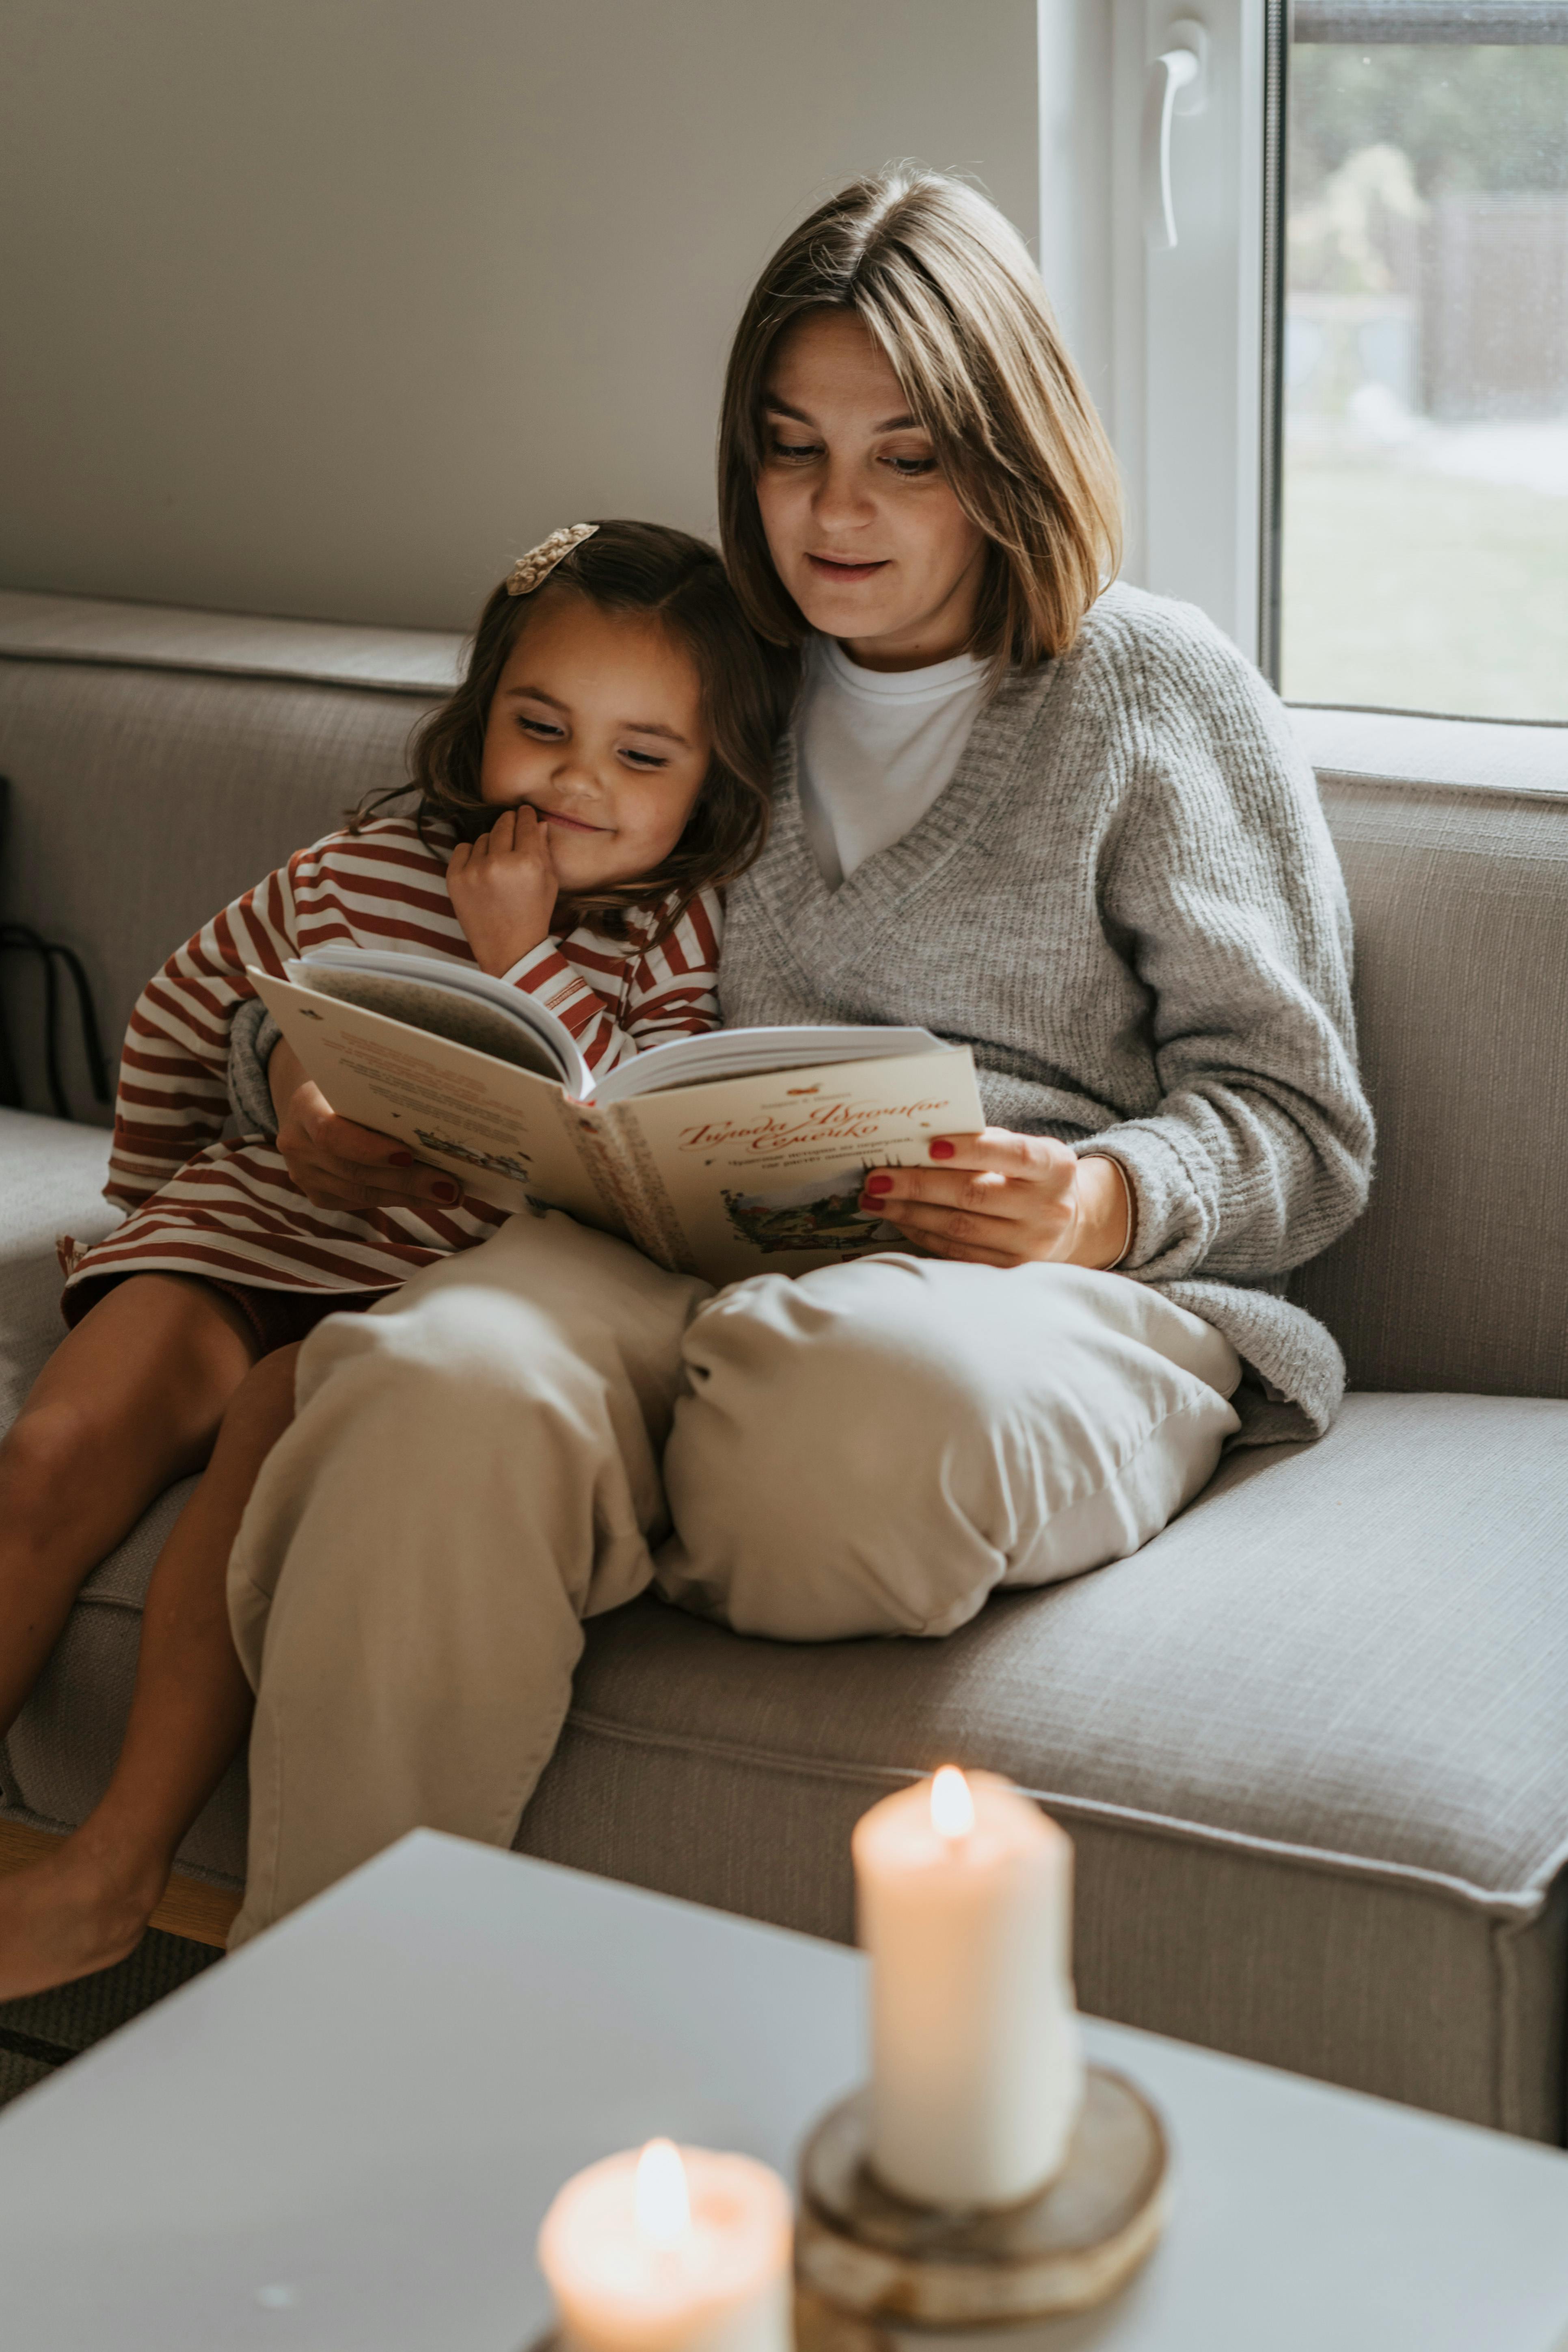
x=539 y=1428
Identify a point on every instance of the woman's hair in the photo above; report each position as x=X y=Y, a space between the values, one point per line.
x=747 y=690
x=951 y=297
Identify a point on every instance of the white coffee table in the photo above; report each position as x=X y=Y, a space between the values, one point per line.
x=343 y=2139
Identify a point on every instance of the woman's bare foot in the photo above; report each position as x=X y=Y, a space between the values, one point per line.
x=79 y=1910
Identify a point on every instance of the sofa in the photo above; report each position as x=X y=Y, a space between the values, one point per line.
x=1312 y=1743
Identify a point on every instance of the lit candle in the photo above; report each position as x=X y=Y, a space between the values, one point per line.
x=675 y=2250
x=964 y=1890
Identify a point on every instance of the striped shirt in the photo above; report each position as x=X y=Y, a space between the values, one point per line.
x=199 y=1205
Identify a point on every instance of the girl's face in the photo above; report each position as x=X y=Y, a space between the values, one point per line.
x=597 y=724
x=864 y=531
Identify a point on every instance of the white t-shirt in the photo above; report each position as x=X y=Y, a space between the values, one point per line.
x=875 y=748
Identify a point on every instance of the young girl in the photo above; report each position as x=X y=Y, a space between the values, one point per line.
x=601 y=772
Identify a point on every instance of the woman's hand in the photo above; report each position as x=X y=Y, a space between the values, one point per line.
x=336 y=1164
x=997 y=1199
x=504 y=887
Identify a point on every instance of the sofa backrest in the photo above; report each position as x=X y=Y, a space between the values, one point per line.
x=1456 y=1277
x=160 y=761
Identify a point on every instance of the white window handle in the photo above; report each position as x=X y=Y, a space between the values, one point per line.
x=1178 y=84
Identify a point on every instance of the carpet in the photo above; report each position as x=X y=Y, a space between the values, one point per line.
x=46 y=2031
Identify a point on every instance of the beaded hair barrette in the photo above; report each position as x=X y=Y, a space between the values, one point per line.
x=539 y=561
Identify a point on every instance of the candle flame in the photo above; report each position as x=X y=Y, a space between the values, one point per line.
x=952 y=1806
x=663 y=2205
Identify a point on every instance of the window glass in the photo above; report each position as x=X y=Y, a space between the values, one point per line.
x=1424 y=549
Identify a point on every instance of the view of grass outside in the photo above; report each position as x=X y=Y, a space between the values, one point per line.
x=1426 y=525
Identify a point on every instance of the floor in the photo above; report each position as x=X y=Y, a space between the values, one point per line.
x=43 y=2034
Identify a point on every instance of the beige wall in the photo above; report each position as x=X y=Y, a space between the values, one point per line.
x=328 y=307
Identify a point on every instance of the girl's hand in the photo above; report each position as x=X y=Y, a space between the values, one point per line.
x=505 y=888
x=997 y=1199
x=336 y=1164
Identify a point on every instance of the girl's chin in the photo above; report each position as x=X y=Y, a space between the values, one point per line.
x=575 y=881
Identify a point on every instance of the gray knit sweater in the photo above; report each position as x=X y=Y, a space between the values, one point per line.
x=1127 y=903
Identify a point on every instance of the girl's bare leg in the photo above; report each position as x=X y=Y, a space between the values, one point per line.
x=129 y=1402
x=86 y=1905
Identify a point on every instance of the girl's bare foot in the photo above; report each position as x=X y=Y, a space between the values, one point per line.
x=79 y=1910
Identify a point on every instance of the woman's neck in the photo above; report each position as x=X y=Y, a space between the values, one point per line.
x=878 y=654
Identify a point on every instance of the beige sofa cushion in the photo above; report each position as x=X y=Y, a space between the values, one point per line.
x=51 y=1181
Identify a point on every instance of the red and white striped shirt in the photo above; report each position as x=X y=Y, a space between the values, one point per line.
x=200 y=1205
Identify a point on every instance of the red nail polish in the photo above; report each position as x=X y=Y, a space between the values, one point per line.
x=447 y=1193
x=941 y=1148
x=401 y=1159
x=877 y=1185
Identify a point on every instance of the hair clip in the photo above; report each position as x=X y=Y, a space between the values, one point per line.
x=539 y=561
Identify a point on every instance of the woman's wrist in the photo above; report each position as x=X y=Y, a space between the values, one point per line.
x=1104 y=1235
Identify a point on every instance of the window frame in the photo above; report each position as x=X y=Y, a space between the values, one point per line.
x=1182 y=349
x=1171 y=342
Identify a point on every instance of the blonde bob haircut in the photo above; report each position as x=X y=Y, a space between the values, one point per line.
x=949 y=291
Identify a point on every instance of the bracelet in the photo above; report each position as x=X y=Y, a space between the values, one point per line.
x=1126 y=1250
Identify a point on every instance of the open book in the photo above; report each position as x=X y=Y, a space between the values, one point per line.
x=739 y=1152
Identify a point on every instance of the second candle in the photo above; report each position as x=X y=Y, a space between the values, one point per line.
x=964 y=1893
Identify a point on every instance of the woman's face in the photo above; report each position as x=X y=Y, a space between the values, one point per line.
x=597 y=725
x=864 y=530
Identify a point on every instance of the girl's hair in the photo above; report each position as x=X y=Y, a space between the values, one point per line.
x=747 y=691
x=949 y=291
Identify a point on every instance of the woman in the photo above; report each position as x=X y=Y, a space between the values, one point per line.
x=1064 y=823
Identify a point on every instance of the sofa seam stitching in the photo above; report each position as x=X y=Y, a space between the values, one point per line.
x=1528 y=794
x=151 y=667
x=1506 y=1908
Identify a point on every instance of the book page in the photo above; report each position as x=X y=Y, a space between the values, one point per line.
x=751 y=1052
x=762 y=1175
x=506 y=1135
x=439 y=1011
x=451 y=1000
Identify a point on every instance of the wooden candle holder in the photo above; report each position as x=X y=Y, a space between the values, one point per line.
x=869 y=2253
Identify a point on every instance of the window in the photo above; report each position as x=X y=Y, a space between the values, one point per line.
x=1421 y=555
